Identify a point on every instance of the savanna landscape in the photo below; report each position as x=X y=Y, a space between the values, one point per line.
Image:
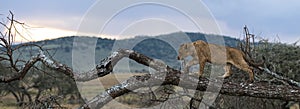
x=147 y=69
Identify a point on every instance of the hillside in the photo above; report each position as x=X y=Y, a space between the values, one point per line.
x=162 y=47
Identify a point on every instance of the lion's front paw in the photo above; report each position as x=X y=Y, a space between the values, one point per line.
x=200 y=75
x=250 y=81
x=225 y=76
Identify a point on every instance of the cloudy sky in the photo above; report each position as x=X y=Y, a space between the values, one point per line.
x=272 y=19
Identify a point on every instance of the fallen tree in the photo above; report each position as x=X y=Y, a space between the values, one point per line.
x=169 y=76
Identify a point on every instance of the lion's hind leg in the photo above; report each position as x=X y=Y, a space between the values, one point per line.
x=227 y=69
x=243 y=65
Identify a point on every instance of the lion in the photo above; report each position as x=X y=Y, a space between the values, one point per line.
x=202 y=52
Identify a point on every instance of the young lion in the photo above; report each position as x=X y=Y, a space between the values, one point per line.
x=203 y=52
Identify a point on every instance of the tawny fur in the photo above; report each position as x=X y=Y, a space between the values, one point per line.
x=202 y=52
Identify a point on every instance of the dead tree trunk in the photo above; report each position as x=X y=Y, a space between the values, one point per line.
x=169 y=76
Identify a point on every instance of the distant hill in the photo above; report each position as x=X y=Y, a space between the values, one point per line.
x=163 y=47
x=284 y=59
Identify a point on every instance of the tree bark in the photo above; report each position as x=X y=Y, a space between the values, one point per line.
x=169 y=76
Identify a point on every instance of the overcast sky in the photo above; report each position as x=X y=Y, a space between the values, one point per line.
x=123 y=19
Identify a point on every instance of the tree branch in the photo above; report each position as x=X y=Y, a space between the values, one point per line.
x=21 y=73
x=289 y=81
x=169 y=76
x=106 y=65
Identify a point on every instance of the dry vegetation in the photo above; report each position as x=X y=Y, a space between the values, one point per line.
x=89 y=90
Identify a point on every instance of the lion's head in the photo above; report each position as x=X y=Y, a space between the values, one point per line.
x=186 y=50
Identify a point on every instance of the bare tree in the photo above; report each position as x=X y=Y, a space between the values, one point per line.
x=8 y=48
x=15 y=66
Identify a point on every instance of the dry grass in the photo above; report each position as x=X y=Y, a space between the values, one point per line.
x=87 y=89
x=7 y=102
x=92 y=88
x=113 y=79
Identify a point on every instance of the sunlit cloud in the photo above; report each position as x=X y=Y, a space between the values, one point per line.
x=37 y=33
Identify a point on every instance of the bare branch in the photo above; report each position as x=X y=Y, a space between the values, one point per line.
x=10 y=27
x=106 y=66
x=4 y=41
x=21 y=73
x=3 y=58
x=289 y=81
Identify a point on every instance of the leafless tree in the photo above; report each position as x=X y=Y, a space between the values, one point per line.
x=14 y=65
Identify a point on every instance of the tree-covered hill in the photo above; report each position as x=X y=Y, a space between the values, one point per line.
x=281 y=58
x=162 y=47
